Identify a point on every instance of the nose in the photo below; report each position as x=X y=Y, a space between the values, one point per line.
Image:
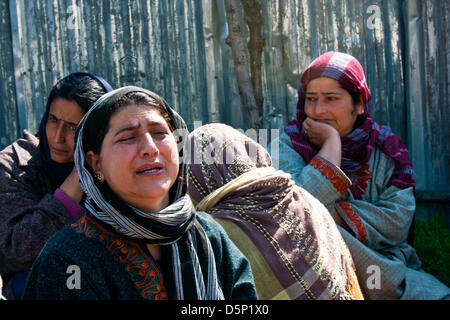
x=60 y=136
x=319 y=107
x=148 y=148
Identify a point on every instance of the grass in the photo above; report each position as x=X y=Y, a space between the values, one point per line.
x=432 y=243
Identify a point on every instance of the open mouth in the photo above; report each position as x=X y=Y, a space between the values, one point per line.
x=150 y=169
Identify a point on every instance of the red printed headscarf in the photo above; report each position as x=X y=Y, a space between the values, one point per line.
x=358 y=145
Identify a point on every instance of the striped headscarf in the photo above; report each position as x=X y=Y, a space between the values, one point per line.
x=192 y=256
x=358 y=145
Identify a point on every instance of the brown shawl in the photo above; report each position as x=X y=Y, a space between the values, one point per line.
x=290 y=239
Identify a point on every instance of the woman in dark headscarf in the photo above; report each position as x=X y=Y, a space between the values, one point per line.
x=295 y=250
x=362 y=173
x=39 y=189
x=141 y=237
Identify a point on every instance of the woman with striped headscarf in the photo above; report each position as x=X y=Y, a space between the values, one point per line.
x=362 y=173
x=141 y=237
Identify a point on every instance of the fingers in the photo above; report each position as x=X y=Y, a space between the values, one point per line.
x=306 y=126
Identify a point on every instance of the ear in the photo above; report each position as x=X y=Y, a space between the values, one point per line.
x=360 y=107
x=93 y=160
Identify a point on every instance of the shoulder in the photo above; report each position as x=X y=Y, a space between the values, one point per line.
x=70 y=245
x=284 y=156
x=212 y=228
x=218 y=237
x=21 y=152
x=234 y=270
x=283 y=140
x=223 y=246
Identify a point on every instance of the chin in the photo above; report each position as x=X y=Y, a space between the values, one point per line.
x=60 y=161
x=155 y=194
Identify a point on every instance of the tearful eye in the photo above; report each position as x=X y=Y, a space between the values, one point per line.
x=159 y=134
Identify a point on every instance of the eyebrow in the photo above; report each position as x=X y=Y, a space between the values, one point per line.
x=68 y=122
x=134 y=127
x=325 y=93
x=128 y=128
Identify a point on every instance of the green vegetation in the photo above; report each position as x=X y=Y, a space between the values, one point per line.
x=432 y=243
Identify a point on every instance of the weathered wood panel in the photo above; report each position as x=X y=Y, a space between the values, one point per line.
x=8 y=112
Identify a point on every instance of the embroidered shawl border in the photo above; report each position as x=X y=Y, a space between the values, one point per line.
x=142 y=270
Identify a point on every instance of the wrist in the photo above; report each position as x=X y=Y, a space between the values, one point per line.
x=73 y=208
x=72 y=189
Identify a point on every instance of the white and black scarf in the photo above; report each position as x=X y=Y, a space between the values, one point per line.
x=192 y=256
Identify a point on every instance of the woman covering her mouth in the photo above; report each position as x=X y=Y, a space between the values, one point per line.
x=141 y=237
x=362 y=173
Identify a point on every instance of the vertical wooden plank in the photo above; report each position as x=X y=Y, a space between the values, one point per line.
x=199 y=41
x=416 y=102
x=9 y=130
x=70 y=28
x=435 y=93
x=313 y=38
x=19 y=70
x=35 y=95
x=211 y=93
x=89 y=38
x=157 y=56
x=165 y=53
x=193 y=65
x=147 y=41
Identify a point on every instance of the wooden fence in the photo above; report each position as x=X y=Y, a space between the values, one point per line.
x=179 y=50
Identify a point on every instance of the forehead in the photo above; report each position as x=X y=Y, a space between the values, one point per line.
x=136 y=113
x=66 y=110
x=324 y=83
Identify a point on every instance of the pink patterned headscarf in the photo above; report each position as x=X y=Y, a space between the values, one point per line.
x=358 y=145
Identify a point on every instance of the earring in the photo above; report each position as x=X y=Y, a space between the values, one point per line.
x=100 y=178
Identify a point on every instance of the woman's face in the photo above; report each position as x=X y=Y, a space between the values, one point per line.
x=138 y=158
x=328 y=102
x=62 y=122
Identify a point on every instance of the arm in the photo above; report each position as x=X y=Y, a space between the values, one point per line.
x=320 y=177
x=382 y=218
x=70 y=194
x=52 y=278
x=28 y=218
x=382 y=223
x=326 y=138
x=71 y=186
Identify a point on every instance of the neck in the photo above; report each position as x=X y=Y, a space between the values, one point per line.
x=155 y=250
x=153 y=205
